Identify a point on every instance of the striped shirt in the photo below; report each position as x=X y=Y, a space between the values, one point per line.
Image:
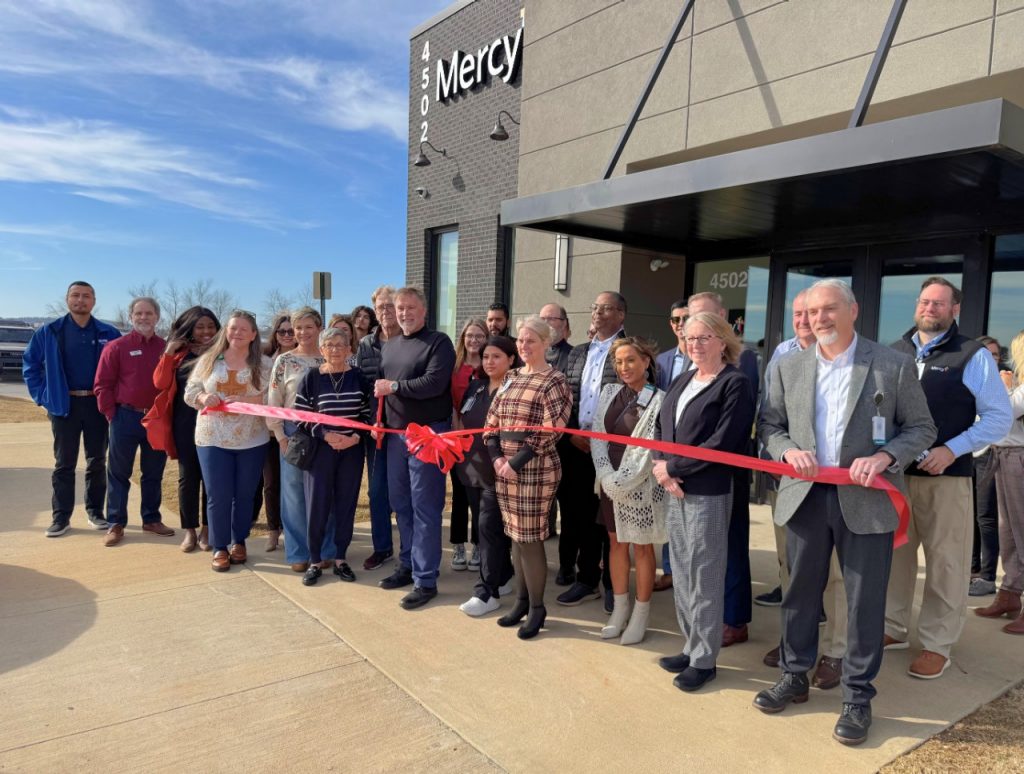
x=337 y=395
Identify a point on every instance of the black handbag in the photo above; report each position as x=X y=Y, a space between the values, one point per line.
x=302 y=446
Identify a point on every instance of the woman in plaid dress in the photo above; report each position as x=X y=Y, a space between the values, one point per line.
x=526 y=465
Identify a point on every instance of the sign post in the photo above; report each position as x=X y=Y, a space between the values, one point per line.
x=322 y=290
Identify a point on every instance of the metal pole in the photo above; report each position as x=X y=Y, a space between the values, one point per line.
x=323 y=302
x=627 y=130
x=875 y=70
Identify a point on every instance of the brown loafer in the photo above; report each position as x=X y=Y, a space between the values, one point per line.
x=828 y=674
x=204 y=539
x=733 y=635
x=891 y=643
x=771 y=658
x=663 y=582
x=114 y=535
x=188 y=545
x=237 y=554
x=221 y=561
x=928 y=666
x=300 y=566
x=158 y=528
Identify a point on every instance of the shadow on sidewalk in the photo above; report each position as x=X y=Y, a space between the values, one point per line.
x=40 y=615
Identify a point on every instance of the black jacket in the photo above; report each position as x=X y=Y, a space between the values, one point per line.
x=574 y=375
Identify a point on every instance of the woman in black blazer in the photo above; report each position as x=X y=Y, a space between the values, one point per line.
x=708 y=406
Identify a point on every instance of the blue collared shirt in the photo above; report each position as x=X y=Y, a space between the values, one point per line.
x=680 y=364
x=981 y=377
x=593 y=371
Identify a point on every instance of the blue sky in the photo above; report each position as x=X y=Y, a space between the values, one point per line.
x=249 y=143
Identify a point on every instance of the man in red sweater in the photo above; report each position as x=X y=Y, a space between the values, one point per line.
x=124 y=393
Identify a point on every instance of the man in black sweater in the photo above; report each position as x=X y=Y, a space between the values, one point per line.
x=415 y=385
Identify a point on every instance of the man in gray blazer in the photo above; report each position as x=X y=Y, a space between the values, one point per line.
x=846 y=402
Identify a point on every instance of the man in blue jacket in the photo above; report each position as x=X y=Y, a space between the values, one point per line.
x=59 y=368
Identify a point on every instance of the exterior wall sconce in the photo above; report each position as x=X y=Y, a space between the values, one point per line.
x=421 y=159
x=659 y=263
x=499 y=133
x=563 y=252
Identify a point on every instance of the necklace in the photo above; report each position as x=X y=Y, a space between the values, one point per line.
x=336 y=384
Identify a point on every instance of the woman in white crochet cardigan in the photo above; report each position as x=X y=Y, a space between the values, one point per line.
x=633 y=506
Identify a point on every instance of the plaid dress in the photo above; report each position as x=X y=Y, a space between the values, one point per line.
x=530 y=399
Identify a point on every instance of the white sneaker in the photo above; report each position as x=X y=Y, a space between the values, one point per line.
x=459 y=557
x=474 y=560
x=476 y=607
x=506 y=590
x=981 y=588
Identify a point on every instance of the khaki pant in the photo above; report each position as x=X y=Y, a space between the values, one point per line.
x=832 y=640
x=941 y=512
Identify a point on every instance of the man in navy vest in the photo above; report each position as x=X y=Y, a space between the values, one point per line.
x=968 y=402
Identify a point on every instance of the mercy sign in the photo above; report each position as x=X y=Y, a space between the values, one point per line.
x=466 y=71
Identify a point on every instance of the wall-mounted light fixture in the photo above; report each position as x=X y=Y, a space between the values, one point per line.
x=421 y=159
x=659 y=263
x=421 y=192
x=563 y=252
x=499 y=133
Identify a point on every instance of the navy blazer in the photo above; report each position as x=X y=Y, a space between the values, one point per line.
x=720 y=417
x=663 y=363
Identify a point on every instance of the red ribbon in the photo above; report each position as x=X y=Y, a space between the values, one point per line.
x=449 y=448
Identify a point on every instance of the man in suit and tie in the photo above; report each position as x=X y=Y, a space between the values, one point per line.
x=853 y=403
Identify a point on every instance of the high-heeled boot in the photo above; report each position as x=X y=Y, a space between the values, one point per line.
x=533 y=625
x=517 y=613
x=1017 y=627
x=637 y=627
x=618 y=619
x=1005 y=603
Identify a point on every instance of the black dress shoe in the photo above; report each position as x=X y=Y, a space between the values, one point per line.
x=771 y=598
x=565 y=577
x=579 y=593
x=674 y=663
x=791 y=687
x=418 y=597
x=852 y=726
x=516 y=614
x=609 y=601
x=312 y=575
x=396 y=580
x=344 y=572
x=534 y=623
x=692 y=678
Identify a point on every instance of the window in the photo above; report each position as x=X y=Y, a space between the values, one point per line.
x=445 y=253
x=901 y=285
x=1004 y=318
x=743 y=286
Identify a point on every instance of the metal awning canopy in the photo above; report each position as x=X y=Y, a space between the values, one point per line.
x=936 y=172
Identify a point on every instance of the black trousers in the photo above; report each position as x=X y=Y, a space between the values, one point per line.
x=269 y=490
x=84 y=422
x=865 y=560
x=191 y=492
x=463 y=513
x=738 y=603
x=985 y=553
x=582 y=543
x=495 y=546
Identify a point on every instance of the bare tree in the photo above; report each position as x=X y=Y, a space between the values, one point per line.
x=275 y=302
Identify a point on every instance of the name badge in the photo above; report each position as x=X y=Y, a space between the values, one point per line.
x=645 y=396
x=504 y=386
x=135 y=353
x=878 y=430
x=470 y=402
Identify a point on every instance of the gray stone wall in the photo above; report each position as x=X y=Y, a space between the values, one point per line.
x=465 y=189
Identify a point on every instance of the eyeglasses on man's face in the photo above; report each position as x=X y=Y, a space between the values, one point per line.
x=552 y=320
x=604 y=308
x=678 y=320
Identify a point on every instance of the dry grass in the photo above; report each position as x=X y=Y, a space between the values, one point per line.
x=14 y=410
x=989 y=741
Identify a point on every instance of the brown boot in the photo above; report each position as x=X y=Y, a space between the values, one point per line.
x=1017 y=627
x=1005 y=603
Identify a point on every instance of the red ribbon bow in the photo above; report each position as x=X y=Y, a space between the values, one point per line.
x=445 y=451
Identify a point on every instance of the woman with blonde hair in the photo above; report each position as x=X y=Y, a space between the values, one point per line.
x=526 y=465
x=708 y=406
x=468 y=352
x=633 y=505
x=231 y=447
x=1009 y=466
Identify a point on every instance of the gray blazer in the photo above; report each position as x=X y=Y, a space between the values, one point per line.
x=787 y=422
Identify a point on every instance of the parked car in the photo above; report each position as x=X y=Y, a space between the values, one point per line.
x=14 y=337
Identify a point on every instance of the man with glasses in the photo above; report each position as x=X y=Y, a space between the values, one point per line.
x=368 y=357
x=674 y=362
x=59 y=368
x=558 y=351
x=970 y=407
x=583 y=541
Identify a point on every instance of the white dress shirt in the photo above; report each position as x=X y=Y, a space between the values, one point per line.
x=831 y=391
x=590 y=386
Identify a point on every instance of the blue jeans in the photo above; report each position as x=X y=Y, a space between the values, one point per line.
x=380 y=504
x=416 y=490
x=127 y=435
x=293 y=513
x=231 y=477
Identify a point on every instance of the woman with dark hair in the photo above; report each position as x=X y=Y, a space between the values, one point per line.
x=364 y=321
x=281 y=339
x=171 y=423
x=231 y=446
x=476 y=474
x=467 y=367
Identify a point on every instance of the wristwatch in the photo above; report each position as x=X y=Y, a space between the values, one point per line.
x=394 y=388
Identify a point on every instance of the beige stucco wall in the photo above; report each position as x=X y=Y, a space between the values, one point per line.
x=739 y=67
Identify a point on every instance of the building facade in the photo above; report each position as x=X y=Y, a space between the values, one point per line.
x=743 y=173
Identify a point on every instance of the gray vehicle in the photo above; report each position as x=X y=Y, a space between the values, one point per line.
x=14 y=338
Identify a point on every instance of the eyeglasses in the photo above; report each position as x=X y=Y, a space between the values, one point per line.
x=702 y=340
x=335 y=346
x=677 y=320
x=550 y=320
x=285 y=332
x=384 y=308
x=937 y=304
x=604 y=308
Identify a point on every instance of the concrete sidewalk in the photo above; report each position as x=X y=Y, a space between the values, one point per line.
x=141 y=658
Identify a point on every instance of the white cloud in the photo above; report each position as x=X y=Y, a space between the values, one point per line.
x=64 y=232
x=109 y=197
